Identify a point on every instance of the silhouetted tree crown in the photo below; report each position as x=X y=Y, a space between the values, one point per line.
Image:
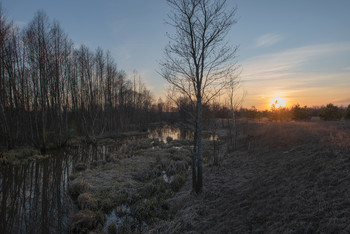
x=330 y=112
x=347 y=112
x=300 y=113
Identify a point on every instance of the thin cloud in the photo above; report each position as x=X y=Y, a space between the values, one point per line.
x=268 y=39
x=344 y=101
x=278 y=65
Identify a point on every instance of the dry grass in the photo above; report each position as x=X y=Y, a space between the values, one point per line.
x=21 y=155
x=132 y=178
x=296 y=180
x=289 y=134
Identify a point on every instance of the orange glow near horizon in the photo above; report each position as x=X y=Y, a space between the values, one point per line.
x=278 y=102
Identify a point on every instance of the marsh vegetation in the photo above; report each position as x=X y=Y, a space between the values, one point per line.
x=85 y=148
x=281 y=176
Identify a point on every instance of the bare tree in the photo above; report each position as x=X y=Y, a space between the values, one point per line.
x=199 y=60
x=5 y=30
x=38 y=45
x=235 y=103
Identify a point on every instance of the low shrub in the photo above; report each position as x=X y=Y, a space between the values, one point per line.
x=78 y=187
x=347 y=113
x=85 y=220
x=330 y=112
x=279 y=114
x=300 y=113
x=20 y=155
x=107 y=205
x=253 y=113
x=178 y=181
x=85 y=201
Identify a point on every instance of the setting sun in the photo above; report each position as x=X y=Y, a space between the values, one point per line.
x=278 y=102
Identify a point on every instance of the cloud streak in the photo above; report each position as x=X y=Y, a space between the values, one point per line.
x=290 y=61
x=268 y=39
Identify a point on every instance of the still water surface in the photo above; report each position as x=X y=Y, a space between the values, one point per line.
x=34 y=195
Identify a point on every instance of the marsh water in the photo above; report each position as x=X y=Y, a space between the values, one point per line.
x=34 y=195
x=169 y=131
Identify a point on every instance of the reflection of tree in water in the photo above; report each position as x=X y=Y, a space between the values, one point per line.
x=34 y=196
x=170 y=131
x=185 y=133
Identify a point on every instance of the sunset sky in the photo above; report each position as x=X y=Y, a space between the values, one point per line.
x=298 y=50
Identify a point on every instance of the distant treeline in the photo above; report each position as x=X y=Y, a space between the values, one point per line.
x=49 y=89
x=297 y=112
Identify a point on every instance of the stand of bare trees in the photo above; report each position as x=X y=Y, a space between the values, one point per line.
x=50 y=90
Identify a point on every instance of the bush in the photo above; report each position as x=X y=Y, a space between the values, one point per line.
x=85 y=220
x=300 y=113
x=279 y=114
x=253 y=113
x=347 y=113
x=330 y=112
x=78 y=187
x=178 y=182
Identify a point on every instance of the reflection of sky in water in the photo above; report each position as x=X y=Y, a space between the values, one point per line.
x=169 y=131
x=175 y=133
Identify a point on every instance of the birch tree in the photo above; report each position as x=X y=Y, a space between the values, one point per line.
x=199 y=60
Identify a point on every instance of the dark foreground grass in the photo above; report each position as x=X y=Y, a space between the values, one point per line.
x=296 y=179
x=128 y=192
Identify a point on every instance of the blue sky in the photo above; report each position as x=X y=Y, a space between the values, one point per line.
x=298 y=50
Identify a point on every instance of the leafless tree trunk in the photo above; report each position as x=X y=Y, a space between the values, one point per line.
x=5 y=29
x=198 y=60
x=233 y=86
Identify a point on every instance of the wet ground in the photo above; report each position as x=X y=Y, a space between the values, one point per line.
x=281 y=177
x=34 y=192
